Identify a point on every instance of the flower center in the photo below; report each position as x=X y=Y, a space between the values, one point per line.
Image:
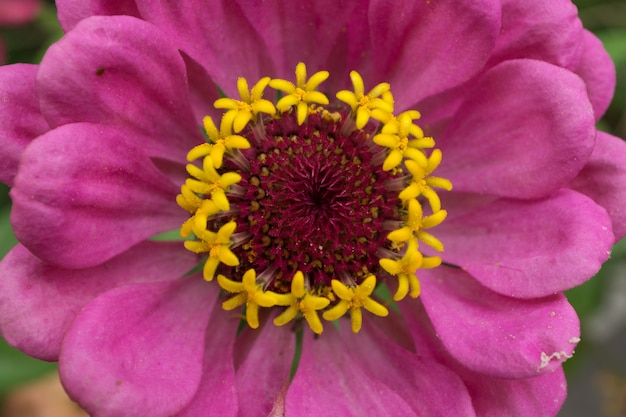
x=310 y=207
x=312 y=201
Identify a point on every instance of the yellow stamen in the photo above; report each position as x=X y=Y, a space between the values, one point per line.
x=302 y=94
x=353 y=299
x=188 y=200
x=390 y=119
x=396 y=135
x=209 y=182
x=249 y=293
x=363 y=105
x=405 y=267
x=216 y=244
x=205 y=196
x=251 y=104
x=223 y=141
x=201 y=213
x=422 y=183
x=301 y=300
x=415 y=225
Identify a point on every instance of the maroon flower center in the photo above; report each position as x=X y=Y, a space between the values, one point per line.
x=310 y=207
x=314 y=201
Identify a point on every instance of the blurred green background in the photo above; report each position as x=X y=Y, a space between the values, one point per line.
x=596 y=374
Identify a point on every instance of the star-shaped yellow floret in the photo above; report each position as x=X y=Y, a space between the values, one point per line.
x=301 y=300
x=415 y=225
x=388 y=118
x=216 y=244
x=209 y=182
x=405 y=267
x=201 y=210
x=397 y=134
x=302 y=94
x=422 y=183
x=354 y=298
x=367 y=105
x=249 y=293
x=222 y=141
x=189 y=200
x=251 y=104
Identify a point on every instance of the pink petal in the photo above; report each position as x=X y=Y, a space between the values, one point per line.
x=202 y=91
x=530 y=249
x=437 y=110
x=424 y=48
x=422 y=382
x=538 y=396
x=39 y=301
x=70 y=12
x=525 y=131
x=218 y=36
x=354 y=45
x=265 y=369
x=597 y=69
x=545 y=30
x=120 y=71
x=496 y=335
x=313 y=32
x=331 y=381
x=138 y=349
x=603 y=177
x=85 y=193
x=217 y=393
x=423 y=334
x=278 y=409
x=20 y=118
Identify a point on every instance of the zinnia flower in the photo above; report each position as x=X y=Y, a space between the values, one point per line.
x=442 y=152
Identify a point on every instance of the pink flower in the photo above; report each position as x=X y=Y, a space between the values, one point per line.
x=95 y=142
x=16 y=12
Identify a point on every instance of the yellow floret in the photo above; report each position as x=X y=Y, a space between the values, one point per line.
x=422 y=183
x=302 y=94
x=405 y=268
x=300 y=300
x=241 y=112
x=209 y=182
x=415 y=225
x=367 y=105
x=222 y=140
x=354 y=298
x=216 y=244
x=404 y=140
x=249 y=293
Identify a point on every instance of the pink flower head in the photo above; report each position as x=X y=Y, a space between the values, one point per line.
x=303 y=198
x=18 y=12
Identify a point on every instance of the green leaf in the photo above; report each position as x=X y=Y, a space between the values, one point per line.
x=8 y=238
x=17 y=368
